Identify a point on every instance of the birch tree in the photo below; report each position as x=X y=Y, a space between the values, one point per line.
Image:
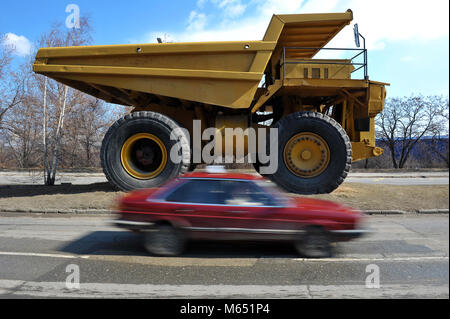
x=58 y=98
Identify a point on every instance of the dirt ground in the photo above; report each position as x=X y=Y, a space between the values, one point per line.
x=390 y=197
x=102 y=196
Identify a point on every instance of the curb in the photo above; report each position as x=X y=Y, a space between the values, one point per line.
x=433 y=211
x=393 y=177
x=401 y=212
x=60 y=211
x=385 y=212
x=108 y=212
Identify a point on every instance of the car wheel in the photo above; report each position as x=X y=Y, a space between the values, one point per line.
x=315 y=244
x=164 y=240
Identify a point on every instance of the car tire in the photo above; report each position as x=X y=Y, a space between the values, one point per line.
x=164 y=240
x=315 y=243
x=331 y=169
x=121 y=167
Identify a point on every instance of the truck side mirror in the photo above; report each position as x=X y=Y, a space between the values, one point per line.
x=356 y=31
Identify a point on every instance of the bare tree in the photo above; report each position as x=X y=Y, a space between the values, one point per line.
x=21 y=124
x=11 y=87
x=439 y=144
x=404 y=122
x=93 y=122
x=5 y=54
x=57 y=98
x=86 y=124
x=44 y=121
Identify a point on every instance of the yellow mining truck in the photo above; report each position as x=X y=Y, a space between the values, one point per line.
x=324 y=117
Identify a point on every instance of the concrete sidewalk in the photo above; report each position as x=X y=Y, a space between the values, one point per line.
x=399 y=174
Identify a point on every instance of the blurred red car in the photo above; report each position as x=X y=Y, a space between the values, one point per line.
x=234 y=207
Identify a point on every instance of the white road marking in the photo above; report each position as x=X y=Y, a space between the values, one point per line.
x=190 y=261
x=12 y=253
x=415 y=258
x=101 y=290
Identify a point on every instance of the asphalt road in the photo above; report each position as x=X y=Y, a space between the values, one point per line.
x=392 y=178
x=409 y=251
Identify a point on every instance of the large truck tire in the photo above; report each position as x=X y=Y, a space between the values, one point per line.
x=136 y=150
x=315 y=153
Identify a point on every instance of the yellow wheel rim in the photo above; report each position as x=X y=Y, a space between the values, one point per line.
x=143 y=156
x=306 y=155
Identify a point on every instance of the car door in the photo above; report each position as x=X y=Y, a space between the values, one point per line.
x=247 y=211
x=196 y=203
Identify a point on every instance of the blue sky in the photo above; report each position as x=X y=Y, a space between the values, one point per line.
x=408 y=39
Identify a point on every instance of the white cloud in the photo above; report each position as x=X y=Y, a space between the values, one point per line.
x=228 y=8
x=267 y=8
x=385 y=21
x=231 y=27
x=201 y=3
x=20 y=45
x=320 y=6
x=380 y=21
x=196 y=22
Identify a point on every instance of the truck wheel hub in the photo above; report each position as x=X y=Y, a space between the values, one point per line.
x=143 y=156
x=306 y=155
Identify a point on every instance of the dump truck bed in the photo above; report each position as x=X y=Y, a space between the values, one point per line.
x=215 y=73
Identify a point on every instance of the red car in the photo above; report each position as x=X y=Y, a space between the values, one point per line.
x=209 y=206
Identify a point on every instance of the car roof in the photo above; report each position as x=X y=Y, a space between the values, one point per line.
x=233 y=176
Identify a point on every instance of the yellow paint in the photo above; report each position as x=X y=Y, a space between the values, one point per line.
x=362 y=151
x=324 y=68
x=306 y=155
x=126 y=156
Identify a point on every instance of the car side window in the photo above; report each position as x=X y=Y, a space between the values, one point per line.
x=198 y=192
x=242 y=193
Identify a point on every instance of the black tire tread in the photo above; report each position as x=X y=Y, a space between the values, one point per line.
x=166 y=121
x=291 y=119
